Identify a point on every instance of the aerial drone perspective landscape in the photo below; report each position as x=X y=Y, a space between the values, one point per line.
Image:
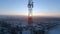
x=29 y=16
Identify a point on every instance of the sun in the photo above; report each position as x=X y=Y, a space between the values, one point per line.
x=30 y=15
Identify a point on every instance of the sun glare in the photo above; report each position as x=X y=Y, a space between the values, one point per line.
x=30 y=15
x=37 y=14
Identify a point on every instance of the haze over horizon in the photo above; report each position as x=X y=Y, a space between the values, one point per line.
x=41 y=7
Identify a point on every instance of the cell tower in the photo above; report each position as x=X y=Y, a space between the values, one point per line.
x=30 y=7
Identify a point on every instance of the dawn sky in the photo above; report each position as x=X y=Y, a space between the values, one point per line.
x=18 y=7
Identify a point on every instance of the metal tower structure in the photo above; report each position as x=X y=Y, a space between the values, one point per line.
x=30 y=7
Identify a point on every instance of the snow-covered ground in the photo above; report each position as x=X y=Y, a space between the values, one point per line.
x=20 y=25
x=55 y=30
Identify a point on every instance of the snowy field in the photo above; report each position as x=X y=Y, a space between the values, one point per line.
x=19 y=25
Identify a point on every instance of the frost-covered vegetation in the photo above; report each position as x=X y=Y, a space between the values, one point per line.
x=6 y=28
x=20 y=26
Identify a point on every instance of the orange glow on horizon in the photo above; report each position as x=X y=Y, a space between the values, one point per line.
x=41 y=14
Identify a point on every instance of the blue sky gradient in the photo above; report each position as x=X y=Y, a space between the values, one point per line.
x=17 y=7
